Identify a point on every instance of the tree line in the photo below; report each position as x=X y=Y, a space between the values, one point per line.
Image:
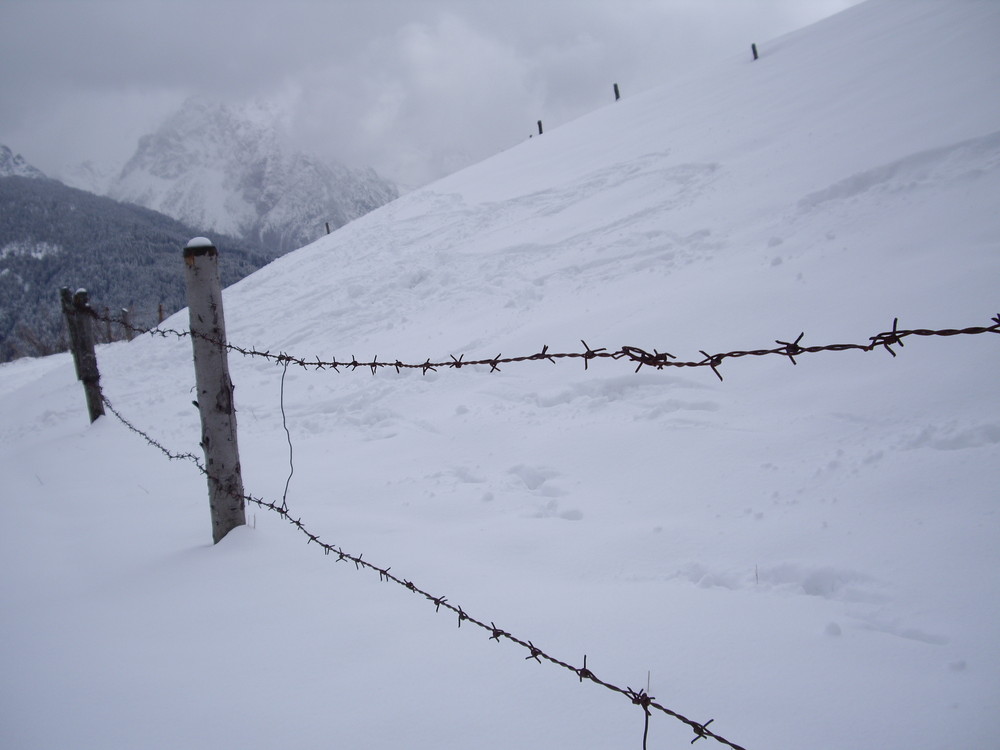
x=126 y=256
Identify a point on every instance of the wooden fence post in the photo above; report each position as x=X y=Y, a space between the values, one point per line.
x=539 y=127
x=753 y=48
x=618 y=94
x=81 y=343
x=127 y=323
x=215 y=389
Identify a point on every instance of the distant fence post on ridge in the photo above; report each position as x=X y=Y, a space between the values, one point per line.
x=81 y=343
x=215 y=389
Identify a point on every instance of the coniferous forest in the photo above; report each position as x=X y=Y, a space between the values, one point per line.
x=125 y=256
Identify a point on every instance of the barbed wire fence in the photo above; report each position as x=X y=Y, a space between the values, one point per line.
x=641 y=358
x=633 y=354
x=638 y=697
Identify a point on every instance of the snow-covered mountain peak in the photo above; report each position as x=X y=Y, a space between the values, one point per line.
x=200 y=136
x=225 y=168
x=14 y=165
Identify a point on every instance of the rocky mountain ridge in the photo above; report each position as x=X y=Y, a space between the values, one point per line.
x=14 y=165
x=226 y=168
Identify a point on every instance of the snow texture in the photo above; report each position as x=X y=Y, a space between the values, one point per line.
x=805 y=554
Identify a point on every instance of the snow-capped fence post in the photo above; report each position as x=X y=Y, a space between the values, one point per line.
x=81 y=343
x=214 y=387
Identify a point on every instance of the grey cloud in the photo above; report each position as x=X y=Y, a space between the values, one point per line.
x=414 y=87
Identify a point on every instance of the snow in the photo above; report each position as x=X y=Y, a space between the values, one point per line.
x=198 y=242
x=29 y=249
x=805 y=554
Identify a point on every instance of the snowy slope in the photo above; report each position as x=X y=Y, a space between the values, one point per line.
x=805 y=554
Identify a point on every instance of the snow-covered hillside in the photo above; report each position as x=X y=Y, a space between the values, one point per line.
x=806 y=554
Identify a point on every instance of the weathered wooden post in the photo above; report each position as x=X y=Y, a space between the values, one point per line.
x=539 y=127
x=81 y=343
x=215 y=389
x=127 y=323
x=618 y=94
x=753 y=48
x=328 y=227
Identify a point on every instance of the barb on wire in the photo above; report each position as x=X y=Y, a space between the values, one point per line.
x=633 y=354
x=642 y=699
x=534 y=653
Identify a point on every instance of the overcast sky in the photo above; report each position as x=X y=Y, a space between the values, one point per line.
x=415 y=88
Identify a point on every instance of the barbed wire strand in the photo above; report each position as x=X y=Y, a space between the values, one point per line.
x=657 y=359
x=637 y=697
x=633 y=354
x=288 y=435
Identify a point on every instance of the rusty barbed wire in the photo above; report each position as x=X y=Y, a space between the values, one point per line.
x=633 y=354
x=658 y=360
x=153 y=442
x=637 y=697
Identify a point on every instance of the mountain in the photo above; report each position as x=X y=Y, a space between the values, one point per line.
x=803 y=554
x=126 y=256
x=14 y=165
x=89 y=175
x=225 y=169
